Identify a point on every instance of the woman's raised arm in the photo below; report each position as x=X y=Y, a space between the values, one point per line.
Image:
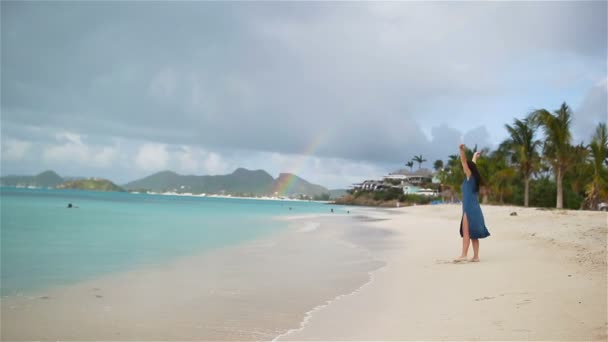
x=463 y=161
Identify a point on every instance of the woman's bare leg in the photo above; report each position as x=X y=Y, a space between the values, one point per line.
x=475 y=250
x=465 y=239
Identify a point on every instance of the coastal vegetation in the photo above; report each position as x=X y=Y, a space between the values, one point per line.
x=537 y=165
x=410 y=164
x=386 y=198
x=93 y=184
x=419 y=160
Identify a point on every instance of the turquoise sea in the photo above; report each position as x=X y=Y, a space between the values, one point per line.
x=45 y=244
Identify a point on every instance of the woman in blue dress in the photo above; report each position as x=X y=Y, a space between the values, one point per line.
x=472 y=225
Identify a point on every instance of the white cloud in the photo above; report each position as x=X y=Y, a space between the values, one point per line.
x=328 y=172
x=152 y=157
x=69 y=152
x=196 y=160
x=188 y=161
x=106 y=157
x=13 y=149
x=340 y=173
x=72 y=149
x=214 y=164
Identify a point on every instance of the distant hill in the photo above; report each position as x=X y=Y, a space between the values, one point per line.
x=46 y=179
x=337 y=193
x=288 y=184
x=96 y=184
x=240 y=182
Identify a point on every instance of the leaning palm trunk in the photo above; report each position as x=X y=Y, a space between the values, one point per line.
x=526 y=190
x=560 y=190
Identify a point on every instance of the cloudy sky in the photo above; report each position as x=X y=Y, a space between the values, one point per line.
x=335 y=92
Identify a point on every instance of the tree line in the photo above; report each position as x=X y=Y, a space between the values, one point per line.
x=539 y=165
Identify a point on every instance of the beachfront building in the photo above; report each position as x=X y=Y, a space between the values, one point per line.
x=396 y=176
x=368 y=185
x=414 y=190
x=419 y=176
x=374 y=185
x=408 y=182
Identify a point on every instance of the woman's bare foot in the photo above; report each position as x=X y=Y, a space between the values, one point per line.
x=461 y=259
x=474 y=260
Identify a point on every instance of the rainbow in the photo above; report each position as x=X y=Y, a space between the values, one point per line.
x=285 y=184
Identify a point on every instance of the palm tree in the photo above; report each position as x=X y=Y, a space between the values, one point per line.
x=557 y=143
x=524 y=146
x=451 y=177
x=599 y=156
x=410 y=164
x=438 y=165
x=497 y=174
x=419 y=160
x=501 y=181
x=580 y=172
x=454 y=173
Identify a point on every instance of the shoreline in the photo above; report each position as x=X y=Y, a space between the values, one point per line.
x=362 y=216
x=208 y=295
x=309 y=314
x=176 y=194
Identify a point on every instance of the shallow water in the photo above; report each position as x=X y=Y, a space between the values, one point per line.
x=44 y=244
x=148 y=267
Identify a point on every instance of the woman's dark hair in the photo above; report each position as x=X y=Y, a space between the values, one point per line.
x=475 y=174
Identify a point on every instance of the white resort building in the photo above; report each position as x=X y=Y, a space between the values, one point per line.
x=408 y=182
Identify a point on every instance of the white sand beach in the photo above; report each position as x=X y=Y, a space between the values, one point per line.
x=542 y=276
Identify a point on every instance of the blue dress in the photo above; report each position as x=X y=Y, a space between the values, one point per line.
x=471 y=207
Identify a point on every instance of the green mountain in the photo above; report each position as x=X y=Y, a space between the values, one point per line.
x=288 y=184
x=96 y=184
x=240 y=182
x=161 y=181
x=46 y=179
